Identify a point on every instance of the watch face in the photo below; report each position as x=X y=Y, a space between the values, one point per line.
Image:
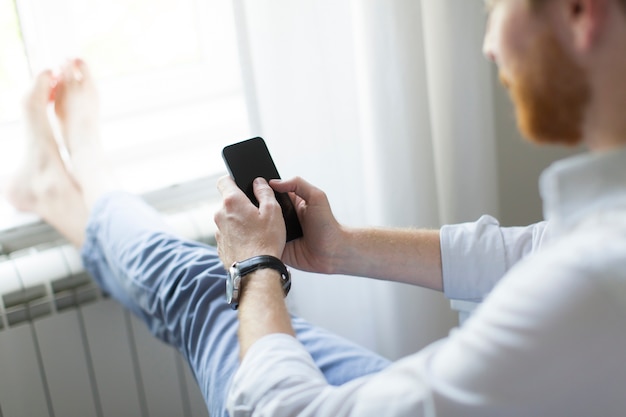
x=232 y=287
x=229 y=289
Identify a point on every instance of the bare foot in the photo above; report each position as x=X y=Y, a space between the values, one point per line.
x=77 y=107
x=77 y=110
x=42 y=185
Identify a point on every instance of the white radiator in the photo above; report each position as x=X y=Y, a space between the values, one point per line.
x=67 y=351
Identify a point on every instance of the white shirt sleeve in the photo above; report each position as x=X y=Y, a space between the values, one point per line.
x=476 y=255
x=546 y=342
x=279 y=378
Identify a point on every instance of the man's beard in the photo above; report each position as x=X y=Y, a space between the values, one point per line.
x=550 y=92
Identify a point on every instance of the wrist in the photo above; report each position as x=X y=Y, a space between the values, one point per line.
x=269 y=267
x=262 y=284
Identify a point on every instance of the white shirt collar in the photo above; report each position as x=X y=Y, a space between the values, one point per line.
x=573 y=188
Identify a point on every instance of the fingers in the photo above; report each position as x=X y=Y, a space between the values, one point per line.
x=262 y=191
x=295 y=185
x=232 y=196
x=225 y=185
x=301 y=188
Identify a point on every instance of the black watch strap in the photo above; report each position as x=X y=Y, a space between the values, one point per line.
x=260 y=262
x=250 y=265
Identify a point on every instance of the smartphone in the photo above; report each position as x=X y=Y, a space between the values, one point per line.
x=251 y=159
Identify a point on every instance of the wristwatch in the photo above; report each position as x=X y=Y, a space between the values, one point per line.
x=240 y=269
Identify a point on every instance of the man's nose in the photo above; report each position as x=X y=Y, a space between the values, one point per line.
x=489 y=50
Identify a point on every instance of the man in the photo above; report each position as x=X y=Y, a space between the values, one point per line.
x=549 y=339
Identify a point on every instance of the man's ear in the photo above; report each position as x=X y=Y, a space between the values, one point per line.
x=587 y=20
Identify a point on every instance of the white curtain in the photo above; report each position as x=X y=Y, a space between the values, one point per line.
x=387 y=106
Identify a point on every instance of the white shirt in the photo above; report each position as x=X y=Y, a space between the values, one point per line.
x=548 y=340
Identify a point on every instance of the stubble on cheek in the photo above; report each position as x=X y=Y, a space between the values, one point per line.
x=550 y=92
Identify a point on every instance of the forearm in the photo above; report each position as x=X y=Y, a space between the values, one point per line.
x=262 y=310
x=410 y=256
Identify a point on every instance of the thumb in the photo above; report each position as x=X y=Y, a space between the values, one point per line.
x=263 y=192
x=299 y=187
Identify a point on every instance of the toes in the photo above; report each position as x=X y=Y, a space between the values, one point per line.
x=75 y=71
x=70 y=73
x=44 y=82
x=38 y=98
x=83 y=69
x=38 y=127
x=75 y=84
x=68 y=81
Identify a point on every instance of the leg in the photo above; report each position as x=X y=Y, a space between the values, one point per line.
x=42 y=185
x=176 y=286
x=77 y=109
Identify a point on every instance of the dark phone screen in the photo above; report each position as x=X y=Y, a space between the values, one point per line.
x=251 y=159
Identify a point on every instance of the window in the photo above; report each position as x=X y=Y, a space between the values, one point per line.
x=167 y=71
x=14 y=72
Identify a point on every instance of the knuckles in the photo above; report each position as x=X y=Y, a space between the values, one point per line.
x=272 y=204
x=230 y=201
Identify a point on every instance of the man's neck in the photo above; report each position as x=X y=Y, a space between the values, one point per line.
x=605 y=124
x=605 y=128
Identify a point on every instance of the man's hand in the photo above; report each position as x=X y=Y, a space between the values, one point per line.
x=316 y=251
x=244 y=230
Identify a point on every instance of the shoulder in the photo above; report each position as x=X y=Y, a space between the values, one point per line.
x=578 y=269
